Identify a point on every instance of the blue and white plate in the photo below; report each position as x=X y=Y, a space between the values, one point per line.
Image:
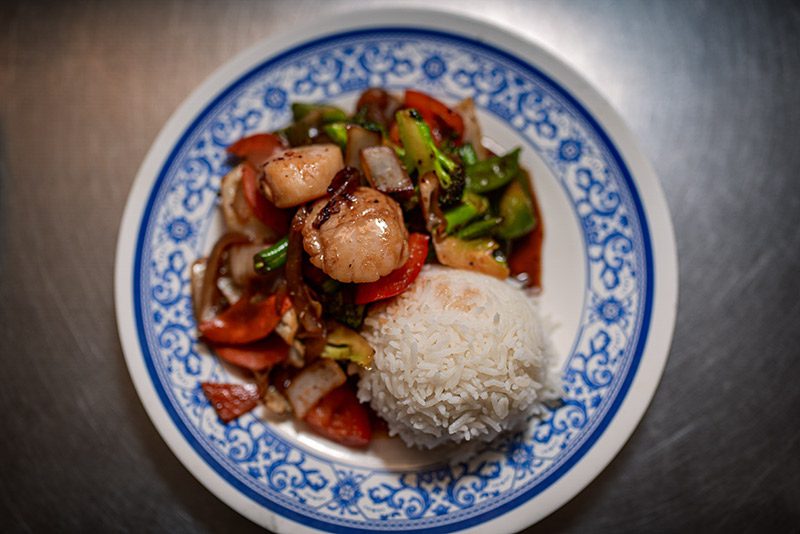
x=610 y=279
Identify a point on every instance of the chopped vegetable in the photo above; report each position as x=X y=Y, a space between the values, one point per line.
x=472 y=131
x=240 y=263
x=472 y=206
x=376 y=106
x=271 y=258
x=346 y=344
x=516 y=210
x=309 y=121
x=339 y=306
x=340 y=417
x=265 y=211
x=236 y=211
x=312 y=383
x=327 y=113
x=256 y=149
x=358 y=139
x=400 y=279
x=245 y=321
x=480 y=228
x=309 y=310
x=197 y=273
x=210 y=298
x=467 y=154
x=288 y=326
x=384 y=171
x=492 y=173
x=443 y=121
x=337 y=131
x=257 y=356
x=424 y=156
x=429 y=203
x=231 y=400
x=340 y=190
x=474 y=255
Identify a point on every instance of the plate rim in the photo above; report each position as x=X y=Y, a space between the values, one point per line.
x=656 y=215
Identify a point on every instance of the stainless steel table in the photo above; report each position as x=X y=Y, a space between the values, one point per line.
x=709 y=88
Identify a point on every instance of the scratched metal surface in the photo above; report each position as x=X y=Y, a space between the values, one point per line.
x=710 y=90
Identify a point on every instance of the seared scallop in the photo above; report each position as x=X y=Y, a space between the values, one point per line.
x=300 y=174
x=364 y=240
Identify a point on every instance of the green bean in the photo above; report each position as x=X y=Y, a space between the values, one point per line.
x=480 y=228
x=492 y=173
x=271 y=258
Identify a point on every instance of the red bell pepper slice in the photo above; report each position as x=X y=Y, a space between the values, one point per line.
x=231 y=400
x=265 y=211
x=256 y=356
x=257 y=148
x=436 y=114
x=401 y=278
x=245 y=321
x=340 y=417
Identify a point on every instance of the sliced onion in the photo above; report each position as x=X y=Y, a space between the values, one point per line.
x=288 y=326
x=472 y=129
x=235 y=209
x=209 y=299
x=197 y=274
x=313 y=383
x=378 y=106
x=229 y=289
x=358 y=139
x=276 y=404
x=311 y=332
x=384 y=171
x=241 y=262
x=429 y=201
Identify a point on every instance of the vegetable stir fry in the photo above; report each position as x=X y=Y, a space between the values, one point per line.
x=338 y=211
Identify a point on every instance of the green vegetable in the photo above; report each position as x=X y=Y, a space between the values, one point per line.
x=492 y=173
x=337 y=302
x=346 y=344
x=516 y=209
x=330 y=285
x=337 y=131
x=360 y=118
x=422 y=155
x=472 y=206
x=468 y=155
x=271 y=258
x=481 y=228
x=323 y=112
x=310 y=120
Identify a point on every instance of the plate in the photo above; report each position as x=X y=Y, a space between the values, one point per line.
x=610 y=279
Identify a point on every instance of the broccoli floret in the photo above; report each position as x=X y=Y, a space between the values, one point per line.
x=422 y=155
x=451 y=195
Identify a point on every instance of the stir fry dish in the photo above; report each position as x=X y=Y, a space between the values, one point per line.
x=335 y=215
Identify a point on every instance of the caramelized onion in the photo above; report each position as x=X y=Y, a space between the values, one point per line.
x=309 y=310
x=210 y=295
x=378 y=106
x=341 y=189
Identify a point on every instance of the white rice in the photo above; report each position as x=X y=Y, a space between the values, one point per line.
x=460 y=356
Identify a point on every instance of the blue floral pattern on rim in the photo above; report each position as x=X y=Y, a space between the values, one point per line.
x=300 y=483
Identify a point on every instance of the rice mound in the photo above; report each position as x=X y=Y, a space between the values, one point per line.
x=460 y=356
